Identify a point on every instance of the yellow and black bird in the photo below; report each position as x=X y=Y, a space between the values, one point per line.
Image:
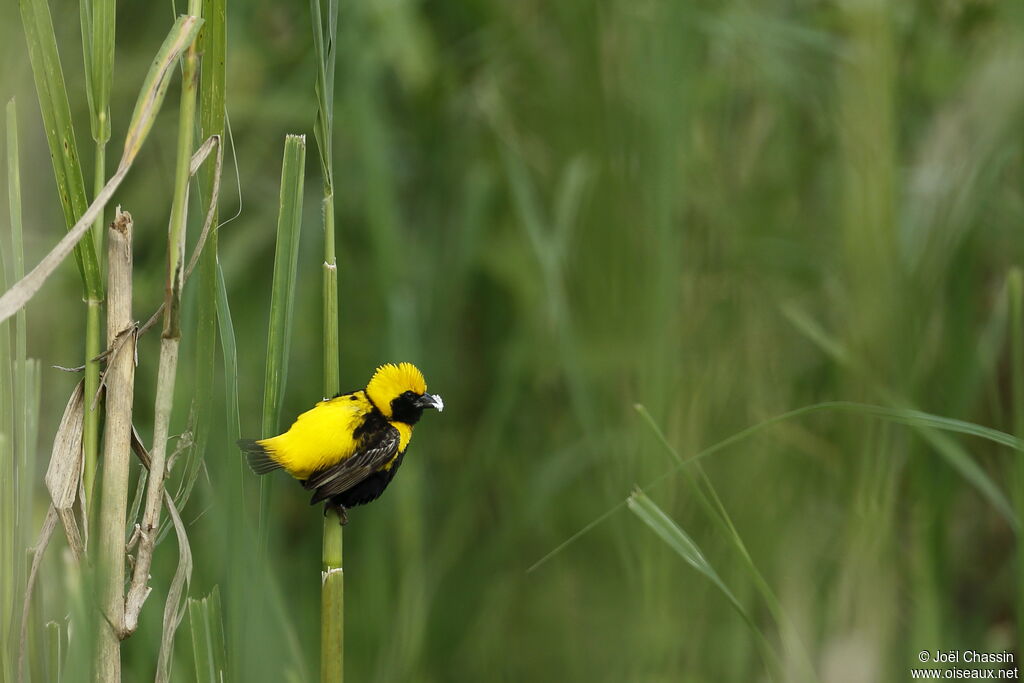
x=348 y=448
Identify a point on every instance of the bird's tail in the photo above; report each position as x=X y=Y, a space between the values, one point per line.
x=260 y=460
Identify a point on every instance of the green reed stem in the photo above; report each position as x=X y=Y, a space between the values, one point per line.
x=9 y=555
x=213 y=46
x=15 y=482
x=99 y=58
x=332 y=592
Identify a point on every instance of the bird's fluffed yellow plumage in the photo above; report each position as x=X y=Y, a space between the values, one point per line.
x=347 y=449
x=321 y=436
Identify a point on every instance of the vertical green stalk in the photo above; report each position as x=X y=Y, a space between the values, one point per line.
x=332 y=591
x=15 y=464
x=332 y=604
x=21 y=427
x=91 y=425
x=323 y=131
x=98 y=30
x=1016 y=300
x=8 y=502
x=60 y=137
x=179 y=204
x=286 y=257
x=213 y=47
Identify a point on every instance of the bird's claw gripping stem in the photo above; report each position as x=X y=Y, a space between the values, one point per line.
x=339 y=510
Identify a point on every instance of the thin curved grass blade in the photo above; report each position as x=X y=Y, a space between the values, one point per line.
x=897 y=415
x=673 y=535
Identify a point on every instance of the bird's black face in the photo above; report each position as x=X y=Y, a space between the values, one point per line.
x=408 y=407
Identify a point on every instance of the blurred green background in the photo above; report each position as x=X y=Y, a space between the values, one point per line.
x=721 y=210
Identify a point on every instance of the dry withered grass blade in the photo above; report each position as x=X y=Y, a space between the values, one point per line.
x=64 y=473
x=63 y=481
x=175 y=606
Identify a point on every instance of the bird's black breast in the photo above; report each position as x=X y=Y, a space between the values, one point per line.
x=370 y=432
x=370 y=488
x=374 y=424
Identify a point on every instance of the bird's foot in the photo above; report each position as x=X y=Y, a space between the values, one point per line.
x=340 y=510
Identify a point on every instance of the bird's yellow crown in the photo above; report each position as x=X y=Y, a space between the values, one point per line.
x=391 y=381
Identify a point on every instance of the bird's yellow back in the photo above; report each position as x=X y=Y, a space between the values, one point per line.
x=320 y=437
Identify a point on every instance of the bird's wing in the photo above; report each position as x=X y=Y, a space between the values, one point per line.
x=344 y=475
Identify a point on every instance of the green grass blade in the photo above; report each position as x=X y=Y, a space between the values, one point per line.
x=17 y=271
x=285 y=270
x=154 y=88
x=910 y=418
x=713 y=506
x=236 y=471
x=282 y=295
x=9 y=526
x=60 y=133
x=954 y=455
x=23 y=406
x=324 y=46
x=54 y=652
x=707 y=495
x=98 y=31
x=17 y=238
x=85 y=18
x=229 y=350
x=207 y=626
x=100 y=59
x=213 y=47
x=673 y=535
x=677 y=539
x=211 y=43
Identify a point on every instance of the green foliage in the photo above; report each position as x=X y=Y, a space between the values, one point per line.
x=792 y=215
x=677 y=539
x=279 y=330
x=206 y=623
x=60 y=132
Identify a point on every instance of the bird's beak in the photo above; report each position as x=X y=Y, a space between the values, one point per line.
x=430 y=401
